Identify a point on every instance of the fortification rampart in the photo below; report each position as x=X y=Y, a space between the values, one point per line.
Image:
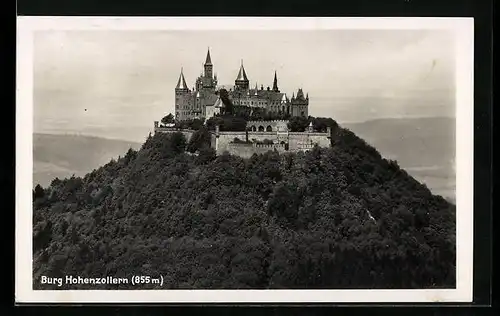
x=246 y=150
x=170 y=130
x=251 y=142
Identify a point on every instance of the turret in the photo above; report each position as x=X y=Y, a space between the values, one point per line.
x=242 y=79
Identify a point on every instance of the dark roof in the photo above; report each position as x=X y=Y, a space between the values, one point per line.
x=242 y=75
x=208 y=61
x=181 y=83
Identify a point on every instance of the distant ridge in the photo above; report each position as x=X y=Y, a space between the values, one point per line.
x=84 y=136
x=424 y=146
x=400 y=119
x=62 y=155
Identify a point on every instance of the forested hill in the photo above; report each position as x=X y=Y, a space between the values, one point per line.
x=339 y=217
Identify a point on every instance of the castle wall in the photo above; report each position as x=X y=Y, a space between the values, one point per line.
x=303 y=141
x=186 y=132
x=296 y=142
x=247 y=150
x=222 y=142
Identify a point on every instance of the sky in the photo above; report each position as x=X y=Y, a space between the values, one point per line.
x=115 y=84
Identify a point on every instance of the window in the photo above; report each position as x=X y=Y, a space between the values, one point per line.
x=254 y=128
x=269 y=129
x=261 y=128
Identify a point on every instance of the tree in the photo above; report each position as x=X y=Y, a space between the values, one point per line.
x=206 y=155
x=192 y=124
x=39 y=192
x=298 y=124
x=228 y=104
x=200 y=138
x=168 y=119
x=320 y=124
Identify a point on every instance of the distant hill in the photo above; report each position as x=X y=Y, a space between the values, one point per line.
x=425 y=147
x=64 y=155
x=338 y=217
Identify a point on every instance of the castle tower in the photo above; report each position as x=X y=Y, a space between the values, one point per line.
x=181 y=97
x=275 y=83
x=208 y=66
x=300 y=104
x=181 y=84
x=242 y=79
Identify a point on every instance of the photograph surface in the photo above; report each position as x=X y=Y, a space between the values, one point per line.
x=196 y=160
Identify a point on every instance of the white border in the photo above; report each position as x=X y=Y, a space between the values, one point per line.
x=463 y=29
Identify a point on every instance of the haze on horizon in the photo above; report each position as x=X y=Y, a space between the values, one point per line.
x=114 y=84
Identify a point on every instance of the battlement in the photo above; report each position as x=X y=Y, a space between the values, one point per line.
x=269 y=146
x=269 y=121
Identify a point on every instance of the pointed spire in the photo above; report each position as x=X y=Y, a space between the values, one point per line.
x=255 y=93
x=208 y=61
x=275 y=82
x=181 y=83
x=242 y=75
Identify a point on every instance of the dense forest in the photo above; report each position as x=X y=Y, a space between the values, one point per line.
x=339 y=217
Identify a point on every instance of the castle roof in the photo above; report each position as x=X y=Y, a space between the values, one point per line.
x=242 y=75
x=300 y=94
x=208 y=61
x=181 y=83
x=275 y=96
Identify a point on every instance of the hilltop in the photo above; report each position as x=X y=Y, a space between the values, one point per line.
x=339 y=217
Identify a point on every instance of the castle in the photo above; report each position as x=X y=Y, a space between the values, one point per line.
x=203 y=101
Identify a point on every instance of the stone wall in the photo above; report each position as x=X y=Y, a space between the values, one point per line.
x=223 y=141
x=225 y=138
x=168 y=130
x=247 y=150
x=296 y=141
x=302 y=141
